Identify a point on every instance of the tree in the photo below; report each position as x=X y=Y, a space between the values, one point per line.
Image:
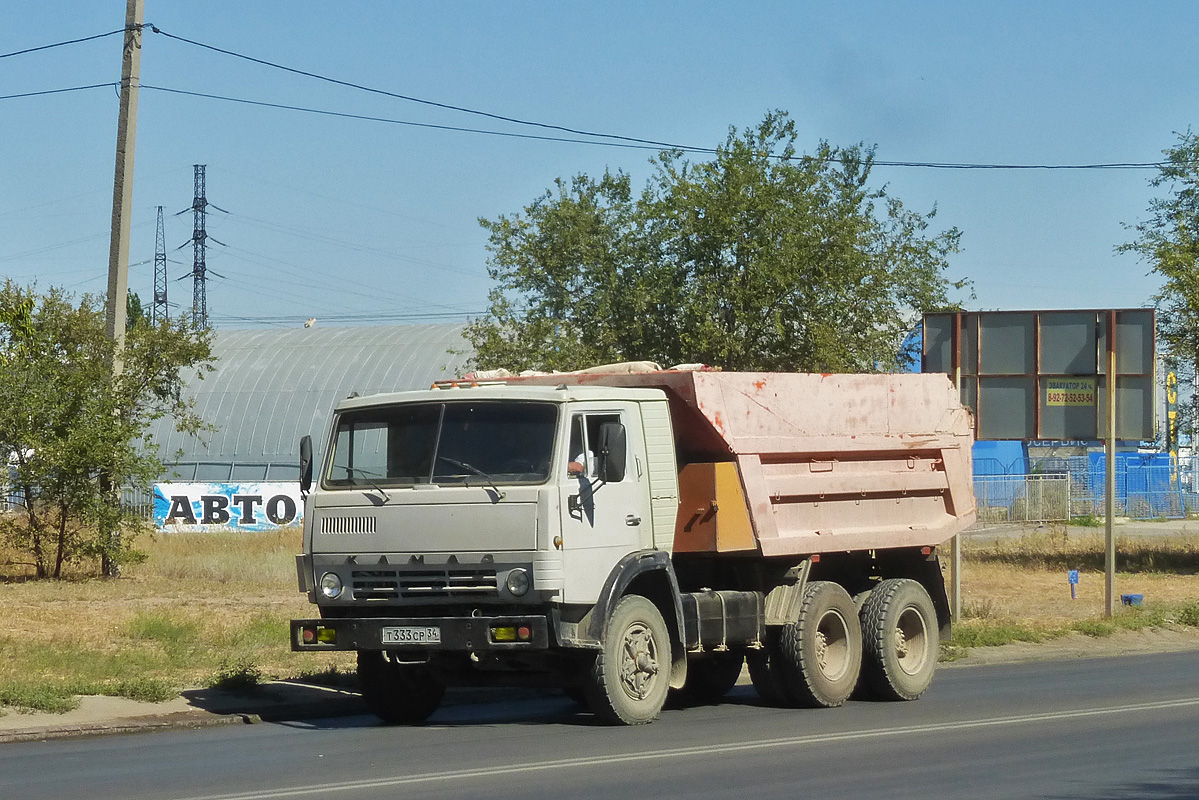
x=757 y=259
x=135 y=313
x=65 y=420
x=1169 y=241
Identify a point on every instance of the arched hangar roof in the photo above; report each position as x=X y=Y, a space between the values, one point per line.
x=271 y=387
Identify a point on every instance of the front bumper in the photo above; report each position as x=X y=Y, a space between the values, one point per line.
x=455 y=634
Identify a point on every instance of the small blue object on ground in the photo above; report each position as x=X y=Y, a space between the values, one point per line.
x=1131 y=599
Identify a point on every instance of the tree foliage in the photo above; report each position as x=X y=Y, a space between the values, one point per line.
x=1169 y=241
x=759 y=259
x=66 y=421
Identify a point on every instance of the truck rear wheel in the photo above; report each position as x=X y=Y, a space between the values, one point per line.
x=401 y=694
x=711 y=677
x=899 y=627
x=631 y=675
x=821 y=654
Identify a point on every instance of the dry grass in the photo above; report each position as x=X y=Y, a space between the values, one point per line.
x=1017 y=589
x=1024 y=579
x=198 y=609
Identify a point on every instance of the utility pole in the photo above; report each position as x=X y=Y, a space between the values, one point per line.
x=122 y=191
x=160 y=311
x=122 y=209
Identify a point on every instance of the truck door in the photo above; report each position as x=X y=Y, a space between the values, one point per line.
x=602 y=521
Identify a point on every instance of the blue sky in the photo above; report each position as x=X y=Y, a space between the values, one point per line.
x=351 y=220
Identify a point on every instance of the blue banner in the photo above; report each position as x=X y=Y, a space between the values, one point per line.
x=200 y=507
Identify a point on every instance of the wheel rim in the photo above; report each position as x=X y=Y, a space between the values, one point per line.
x=832 y=646
x=639 y=662
x=911 y=641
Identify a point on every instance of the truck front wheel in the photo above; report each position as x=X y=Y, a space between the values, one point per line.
x=631 y=675
x=402 y=694
x=821 y=653
x=899 y=627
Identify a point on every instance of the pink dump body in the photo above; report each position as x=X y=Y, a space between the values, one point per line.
x=827 y=462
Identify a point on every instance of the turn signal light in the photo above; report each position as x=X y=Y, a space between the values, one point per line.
x=503 y=634
x=318 y=635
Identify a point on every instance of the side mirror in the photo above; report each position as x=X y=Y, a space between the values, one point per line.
x=305 y=463
x=612 y=452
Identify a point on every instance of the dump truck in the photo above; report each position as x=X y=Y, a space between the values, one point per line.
x=622 y=536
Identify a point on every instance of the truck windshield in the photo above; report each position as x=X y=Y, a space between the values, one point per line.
x=444 y=443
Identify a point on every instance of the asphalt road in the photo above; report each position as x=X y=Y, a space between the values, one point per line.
x=1097 y=729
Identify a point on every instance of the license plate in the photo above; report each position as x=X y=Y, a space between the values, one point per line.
x=412 y=634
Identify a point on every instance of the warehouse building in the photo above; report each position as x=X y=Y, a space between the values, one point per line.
x=270 y=387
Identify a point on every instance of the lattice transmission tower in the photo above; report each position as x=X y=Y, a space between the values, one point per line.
x=199 y=245
x=159 y=312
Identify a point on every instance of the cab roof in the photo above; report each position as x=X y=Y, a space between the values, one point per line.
x=466 y=391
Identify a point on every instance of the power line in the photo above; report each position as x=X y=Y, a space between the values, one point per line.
x=625 y=145
x=392 y=121
x=629 y=141
x=61 y=44
x=411 y=99
x=59 y=91
x=359 y=317
x=629 y=144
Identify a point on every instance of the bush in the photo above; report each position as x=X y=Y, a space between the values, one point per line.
x=238 y=676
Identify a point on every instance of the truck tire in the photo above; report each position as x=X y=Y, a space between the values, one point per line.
x=821 y=654
x=899 y=631
x=630 y=677
x=765 y=672
x=710 y=678
x=400 y=694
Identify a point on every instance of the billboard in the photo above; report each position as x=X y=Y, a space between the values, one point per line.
x=202 y=507
x=1031 y=375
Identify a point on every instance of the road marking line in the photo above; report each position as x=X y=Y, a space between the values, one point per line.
x=699 y=750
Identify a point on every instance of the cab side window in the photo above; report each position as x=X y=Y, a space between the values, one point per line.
x=584 y=440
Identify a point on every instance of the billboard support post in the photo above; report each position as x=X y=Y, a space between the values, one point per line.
x=955 y=544
x=1109 y=539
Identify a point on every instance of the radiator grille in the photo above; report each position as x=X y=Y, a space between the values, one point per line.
x=379 y=584
x=347 y=525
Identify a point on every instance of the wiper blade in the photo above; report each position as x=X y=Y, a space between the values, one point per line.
x=365 y=474
x=475 y=470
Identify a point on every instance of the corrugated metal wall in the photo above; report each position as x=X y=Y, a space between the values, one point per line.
x=271 y=387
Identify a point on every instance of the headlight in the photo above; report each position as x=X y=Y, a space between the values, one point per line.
x=331 y=585
x=518 y=582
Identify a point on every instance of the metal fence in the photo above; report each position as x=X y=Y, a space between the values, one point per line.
x=1022 y=498
x=1148 y=485
x=141 y=502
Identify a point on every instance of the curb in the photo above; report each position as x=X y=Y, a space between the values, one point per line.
x=345 y=704
x=178 y=720
x=194 y=718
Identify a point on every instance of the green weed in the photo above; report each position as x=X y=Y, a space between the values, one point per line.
x=1188 y=615
x=238 y=676
x=30 y=697
x=1095 y=628
x=331 y=675
x=991 y=634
